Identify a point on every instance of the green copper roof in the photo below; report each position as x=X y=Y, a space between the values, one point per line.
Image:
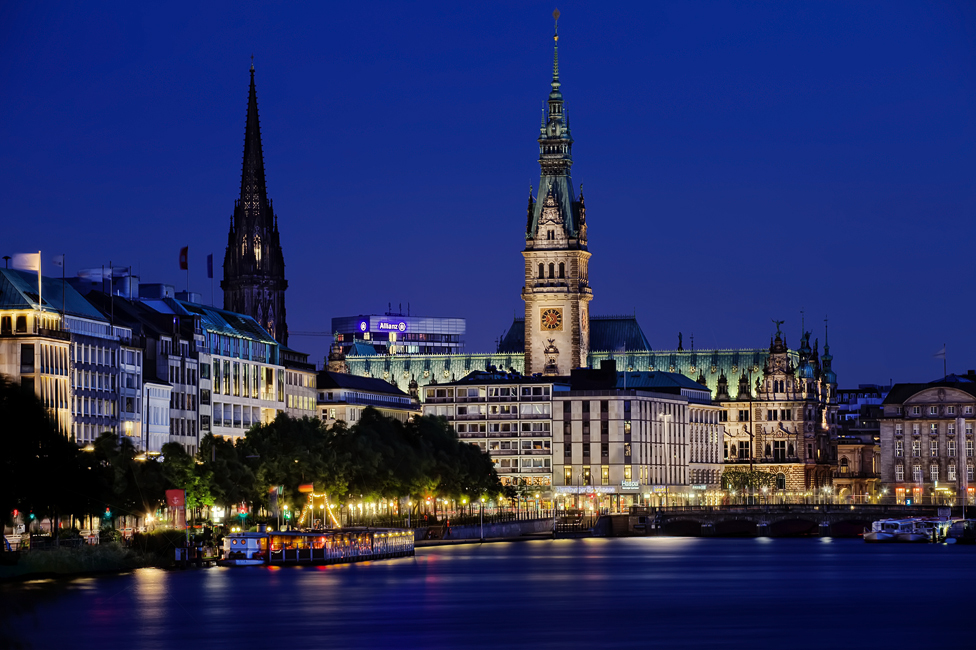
x=18 y=290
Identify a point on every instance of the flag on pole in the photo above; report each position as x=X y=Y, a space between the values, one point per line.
x=940 y=354
x=58 y=261
x=184 y=258
x=27 y=261
x=210 y=266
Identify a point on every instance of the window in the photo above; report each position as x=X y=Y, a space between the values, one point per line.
x=934 y=448
x=898 y=430
x=951 y=472
x=779 y=450
x=934 y=429
x=968 y=410
x=969 y=448
x=934 y=472
x=604 y=476
x=628 y=474
x=951 y=410
x=568 y=451
x=552 y=268
x=567 y=476
x=933 y=410
x=899 y=473
x=916 y=410
x=604 y=430
x=627 y=450
x=781 y=481
x=605 y=450
x=586 y=476
x=916 y=448
x=567 y=408
x=586 y=450
x=562 y=270
x=951 y=429
x=542 y=271
x=743 y=416
x=586 y=407
x=917 y=473
x=899 y=448
x=771 y=415
x=969 y=473
x=915 y=429
x=744 y=449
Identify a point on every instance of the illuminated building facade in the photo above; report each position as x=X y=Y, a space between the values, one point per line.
x=396 y=333
x=344 y=397
x=927 y=441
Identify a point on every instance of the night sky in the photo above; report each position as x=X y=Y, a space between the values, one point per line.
x=741 y=162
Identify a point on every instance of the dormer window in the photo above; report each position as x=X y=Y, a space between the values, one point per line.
x=550 y=235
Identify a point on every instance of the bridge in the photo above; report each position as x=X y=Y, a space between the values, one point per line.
x=786 y=520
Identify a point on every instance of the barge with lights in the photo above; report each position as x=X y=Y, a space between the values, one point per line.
x=336 y=546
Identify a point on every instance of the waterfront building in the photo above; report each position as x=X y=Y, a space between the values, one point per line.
x=857 y=476
x=636 y=438
x=171 y=343
x=601 y=437
x=254 y=266
x=156 y=400
x=397 y=333
x=35 y=346
x=927 y=440
x=246 y=373
x=82 y=392
x=508 y=415
x=345 y=397
x=300 y=379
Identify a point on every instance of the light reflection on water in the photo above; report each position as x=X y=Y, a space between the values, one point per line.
x=600 y=593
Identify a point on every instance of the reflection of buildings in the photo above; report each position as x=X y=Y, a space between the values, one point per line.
x=857 y=476
x=927 y=440
x=395 y=333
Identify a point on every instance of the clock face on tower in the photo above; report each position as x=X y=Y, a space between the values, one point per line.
x=552 y=319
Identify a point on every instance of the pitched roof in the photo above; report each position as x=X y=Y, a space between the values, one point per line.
x=18 y=290
x=900 y=393
x=328 y=379
x=222 y=321
x=607 y=334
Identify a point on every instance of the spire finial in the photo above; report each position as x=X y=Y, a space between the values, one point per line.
x=555 y=47
x=826 y=332
x=252 y=63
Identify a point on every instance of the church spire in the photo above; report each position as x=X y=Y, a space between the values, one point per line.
x=254 y=192
x=254 y=266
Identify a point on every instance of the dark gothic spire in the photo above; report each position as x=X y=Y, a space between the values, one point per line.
x=254 y=266
x=254 y=191
x=556 y=154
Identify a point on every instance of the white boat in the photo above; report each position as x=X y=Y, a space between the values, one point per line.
x=883 y=530
x=245 y=549
x=935 y=529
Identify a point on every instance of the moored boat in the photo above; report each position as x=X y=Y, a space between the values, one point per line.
x=883 y=530
x=962 y=531
x=244 y=549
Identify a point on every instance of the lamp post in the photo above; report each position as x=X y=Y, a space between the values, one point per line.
x=482 y=511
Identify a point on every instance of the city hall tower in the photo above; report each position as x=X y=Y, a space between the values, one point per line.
x=557 y=291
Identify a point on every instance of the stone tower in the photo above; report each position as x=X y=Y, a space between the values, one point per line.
x=557 y=292
x=254 y=267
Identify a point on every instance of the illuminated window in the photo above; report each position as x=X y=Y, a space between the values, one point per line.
x=899 y=473
x=605 y=476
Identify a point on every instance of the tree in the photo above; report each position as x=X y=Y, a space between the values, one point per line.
x=183 y=472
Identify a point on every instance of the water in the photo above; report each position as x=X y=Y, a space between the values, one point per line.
x=595 y=593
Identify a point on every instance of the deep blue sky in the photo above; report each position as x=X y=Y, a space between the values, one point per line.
x=742 y=162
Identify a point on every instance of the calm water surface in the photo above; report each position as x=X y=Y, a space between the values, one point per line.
x=596 y=593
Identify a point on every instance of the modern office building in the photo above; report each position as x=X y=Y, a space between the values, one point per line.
x=396 y=333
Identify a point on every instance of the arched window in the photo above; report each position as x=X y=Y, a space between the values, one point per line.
x=552 y=270
x=781 y=481
x=542 y=272
x=845 y=466
x=562 y=270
